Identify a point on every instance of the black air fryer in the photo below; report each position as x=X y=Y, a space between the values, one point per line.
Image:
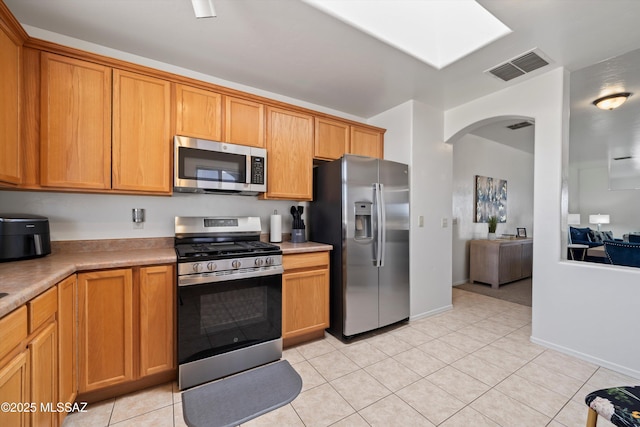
x=23 y=236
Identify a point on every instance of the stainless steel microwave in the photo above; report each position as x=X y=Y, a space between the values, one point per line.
x=202 y=166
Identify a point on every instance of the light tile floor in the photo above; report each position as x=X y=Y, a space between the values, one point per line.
x=471 y=366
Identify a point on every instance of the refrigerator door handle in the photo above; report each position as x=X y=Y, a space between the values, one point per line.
x=382 y=231
x=379 y=224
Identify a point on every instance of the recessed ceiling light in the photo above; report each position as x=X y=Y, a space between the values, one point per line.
x=438 y=32
x=610 y=102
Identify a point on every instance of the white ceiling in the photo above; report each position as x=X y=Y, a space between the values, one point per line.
x=290 y=48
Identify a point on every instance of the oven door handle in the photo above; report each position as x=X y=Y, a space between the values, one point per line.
x=200 y=278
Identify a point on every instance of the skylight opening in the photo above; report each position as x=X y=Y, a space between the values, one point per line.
x=437 y=32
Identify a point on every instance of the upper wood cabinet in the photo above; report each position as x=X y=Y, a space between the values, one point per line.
x=290 y=155
x=331 y=139
x=10 y=69
x=75 y=134
x=142 y=142
x=244 y=122
x=198 y=113
x=366 y=142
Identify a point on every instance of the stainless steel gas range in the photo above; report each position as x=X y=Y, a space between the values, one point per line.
x=229 y=298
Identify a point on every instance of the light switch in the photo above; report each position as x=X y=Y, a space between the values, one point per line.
x=421 y=221
x=444 y=223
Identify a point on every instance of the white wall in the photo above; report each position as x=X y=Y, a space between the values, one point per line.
x=593 y=196
x=584 y=309
x=415 y=131
x=474 y=155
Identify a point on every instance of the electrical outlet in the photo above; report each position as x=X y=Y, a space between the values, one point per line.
x=138 y=225
x=444 y=223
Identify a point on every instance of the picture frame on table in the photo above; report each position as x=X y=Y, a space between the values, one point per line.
x=521 y=232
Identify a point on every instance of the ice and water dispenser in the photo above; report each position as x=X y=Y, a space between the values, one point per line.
x=363 y=221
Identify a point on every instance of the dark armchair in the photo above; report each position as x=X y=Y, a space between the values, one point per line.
x=622 y=253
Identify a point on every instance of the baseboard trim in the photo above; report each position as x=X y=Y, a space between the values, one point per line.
x=430 y=313
x=588 y=358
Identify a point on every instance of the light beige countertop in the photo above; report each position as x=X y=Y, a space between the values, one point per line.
x=23 y=280
x=298 y=248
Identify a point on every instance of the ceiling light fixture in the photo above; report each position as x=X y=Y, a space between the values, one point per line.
x=610 y=102
x=203 y=8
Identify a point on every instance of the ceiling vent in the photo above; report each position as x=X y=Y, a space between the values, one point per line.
x=520 y=65
x=520 y=125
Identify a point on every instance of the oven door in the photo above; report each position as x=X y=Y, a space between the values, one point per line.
x=220 y=317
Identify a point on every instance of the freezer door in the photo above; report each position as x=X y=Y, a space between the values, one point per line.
x=394 y=272
x=359 y=177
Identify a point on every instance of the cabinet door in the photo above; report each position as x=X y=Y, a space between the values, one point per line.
x=289 y=155
x=527 y=259
x=157 y=319
x=75 y=134
x=14 y=387
x=198 y=113
x=331 y=139
x=67 y=342
x=244 y=122
x=366 y=142
x=105 y=323
x=305 y=302
x=141 y=133
x=44 y=369
x=10 y=158
x=510 y=262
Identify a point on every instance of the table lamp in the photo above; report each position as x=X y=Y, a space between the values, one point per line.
x=598 y=220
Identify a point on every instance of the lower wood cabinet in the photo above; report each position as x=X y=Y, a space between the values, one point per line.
x=29 y=363
x=67 y=342
x=126 y=325
x=305 y=296
x=500 y=261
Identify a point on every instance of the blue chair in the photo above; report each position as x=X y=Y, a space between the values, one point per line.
x=622 y=253
x=634 y=238
x=620 y=405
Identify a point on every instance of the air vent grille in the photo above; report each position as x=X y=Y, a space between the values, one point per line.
x=519 y=125
x=522 y=64
x=506 y=72
x=529 y=62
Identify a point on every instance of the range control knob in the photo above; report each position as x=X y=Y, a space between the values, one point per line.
x=269 y=261
x=211 y=266
x=236 y=264
x=259 y=262
x=197 y=267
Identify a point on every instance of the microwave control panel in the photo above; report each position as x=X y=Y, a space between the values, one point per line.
x=257 y=170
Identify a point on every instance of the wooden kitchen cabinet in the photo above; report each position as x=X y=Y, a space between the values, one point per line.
x=10 y=88
x=14 y=387
x=105 y=310
x=290 y=155
x=331 y=139
x=366 y=142
x=29 y=339
x=126 y=327
x=75 y=134
x=67 y=342
x=244 y=122
x=157 y=319
x=305 y=296
x=142 y=140
x=500 y=261
x=198 y=113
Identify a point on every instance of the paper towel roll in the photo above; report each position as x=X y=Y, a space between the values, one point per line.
x=276 y=229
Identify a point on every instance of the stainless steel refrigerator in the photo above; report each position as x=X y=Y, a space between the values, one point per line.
x=361 y=207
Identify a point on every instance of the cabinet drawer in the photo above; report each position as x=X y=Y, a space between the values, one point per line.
x=306 y=260
x=42 y=308
x=13 y=329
